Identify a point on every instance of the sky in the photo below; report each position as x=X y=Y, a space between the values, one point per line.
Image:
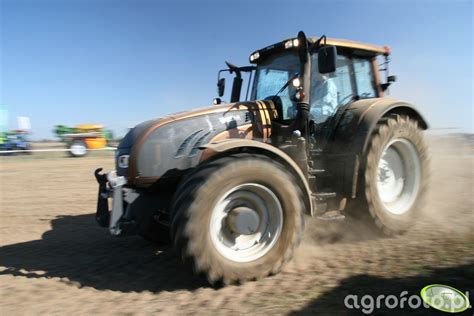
x=119 y=63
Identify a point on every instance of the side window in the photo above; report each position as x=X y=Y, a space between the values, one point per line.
x=364 y=78
x=342 y=80
x=329 y=91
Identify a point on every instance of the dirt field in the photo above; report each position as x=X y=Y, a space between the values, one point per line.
x=55 y=259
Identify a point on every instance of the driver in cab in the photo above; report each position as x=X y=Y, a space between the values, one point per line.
x=324 y=97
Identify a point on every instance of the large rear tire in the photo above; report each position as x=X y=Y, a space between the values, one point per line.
x=237 y=218
x=396 y=174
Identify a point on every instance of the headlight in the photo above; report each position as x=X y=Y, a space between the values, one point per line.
x=254 y=56
x=292 y=43
x=123 y=161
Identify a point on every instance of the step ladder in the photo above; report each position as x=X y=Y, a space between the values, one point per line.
x=327 y=215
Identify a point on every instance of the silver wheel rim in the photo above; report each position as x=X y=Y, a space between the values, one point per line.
x=78 y=149
x=254 y=231
x=398 y=176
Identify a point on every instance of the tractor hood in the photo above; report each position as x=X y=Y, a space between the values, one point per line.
x=168 y=146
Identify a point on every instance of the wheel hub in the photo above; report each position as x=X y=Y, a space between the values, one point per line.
x=246 y=222
x=391 y=175
x=398 y=176
x=78 y=149
x=243 y=220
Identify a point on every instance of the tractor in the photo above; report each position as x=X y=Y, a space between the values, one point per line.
x=229 y=186
x=82 y=138
x=15 y=141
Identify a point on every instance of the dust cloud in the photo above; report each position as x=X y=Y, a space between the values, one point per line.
x=447 y=209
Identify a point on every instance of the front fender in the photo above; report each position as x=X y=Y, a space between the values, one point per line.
x=236 y=145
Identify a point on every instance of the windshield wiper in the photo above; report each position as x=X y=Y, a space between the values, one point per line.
x=287 y=84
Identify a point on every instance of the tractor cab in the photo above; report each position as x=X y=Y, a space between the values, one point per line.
x=312 y=81
x=318 y=87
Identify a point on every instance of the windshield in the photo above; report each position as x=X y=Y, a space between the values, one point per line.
x=272 y=74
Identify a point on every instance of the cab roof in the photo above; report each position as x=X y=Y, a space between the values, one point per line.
x=358 y=48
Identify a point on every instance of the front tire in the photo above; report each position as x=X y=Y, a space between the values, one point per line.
x=396 y=174
x=238 y=218
x=78 y=148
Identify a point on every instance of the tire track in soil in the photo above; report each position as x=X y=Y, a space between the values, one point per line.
x=55 y=259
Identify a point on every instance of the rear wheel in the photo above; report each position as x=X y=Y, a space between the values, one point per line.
x=238 y=218
x=396 y=174
x=78 y=148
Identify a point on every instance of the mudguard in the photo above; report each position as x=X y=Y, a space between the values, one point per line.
x=232 y=145
x=360 y=118
x=353 y=132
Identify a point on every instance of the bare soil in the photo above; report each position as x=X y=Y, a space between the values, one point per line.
x=55 y=259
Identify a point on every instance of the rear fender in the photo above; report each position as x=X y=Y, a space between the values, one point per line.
x=361 y=118
x=353 y=134
x=239 y=145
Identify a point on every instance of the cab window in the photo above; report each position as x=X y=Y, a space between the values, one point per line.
x=330 y=91
x=365 y=78
x=271 y=76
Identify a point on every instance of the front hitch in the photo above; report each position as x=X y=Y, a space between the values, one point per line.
x=116 y=183
x=102 y=214
x=120 y=219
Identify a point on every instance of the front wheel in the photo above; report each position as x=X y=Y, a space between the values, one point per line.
x=78 y=148
x=396 y=174
x=238 y=218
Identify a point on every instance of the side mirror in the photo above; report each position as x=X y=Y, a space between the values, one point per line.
x=327 y=59
x=221 y=87
x=390 y=80
x=216 y=101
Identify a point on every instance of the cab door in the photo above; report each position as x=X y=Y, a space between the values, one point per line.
x=331 y=93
